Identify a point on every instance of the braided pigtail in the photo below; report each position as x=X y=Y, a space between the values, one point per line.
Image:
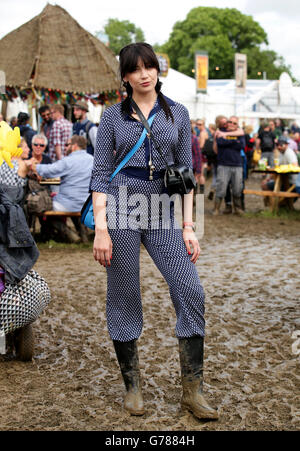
x=125 y=106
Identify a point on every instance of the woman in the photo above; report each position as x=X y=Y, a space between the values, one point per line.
x=17 y=175
x=117 y=246
x=203 y=137
x=23 y=293
x=197 y=155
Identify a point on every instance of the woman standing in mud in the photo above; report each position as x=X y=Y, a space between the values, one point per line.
x=117 y=245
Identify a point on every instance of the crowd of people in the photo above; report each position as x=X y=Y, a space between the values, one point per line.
x=226 y=151
x=223 y=153
x=61 y=150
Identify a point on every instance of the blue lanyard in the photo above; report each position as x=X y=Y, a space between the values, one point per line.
x=133 y=150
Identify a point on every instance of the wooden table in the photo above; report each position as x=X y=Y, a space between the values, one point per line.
x=50 y=181
x=277 y=196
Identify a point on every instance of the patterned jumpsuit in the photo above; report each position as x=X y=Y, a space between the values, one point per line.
x=117 y=135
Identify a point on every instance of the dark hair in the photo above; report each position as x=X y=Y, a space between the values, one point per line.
x=129 y=56
x=44 y=108
x=23 y=118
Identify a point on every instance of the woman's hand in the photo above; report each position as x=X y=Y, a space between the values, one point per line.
x=191 y=243
x=102 y=249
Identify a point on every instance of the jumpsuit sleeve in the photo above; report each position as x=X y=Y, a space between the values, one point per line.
x=184 y=147
x=104 y=155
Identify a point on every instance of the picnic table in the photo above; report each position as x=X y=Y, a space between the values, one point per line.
x=282 y=191
x=55 y=181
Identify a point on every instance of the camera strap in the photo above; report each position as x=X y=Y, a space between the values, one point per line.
x=147 y=127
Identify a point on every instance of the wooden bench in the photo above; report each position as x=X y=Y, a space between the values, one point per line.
x=283 y=194
x=61 y=213
x=81 y=229
x=277 y=197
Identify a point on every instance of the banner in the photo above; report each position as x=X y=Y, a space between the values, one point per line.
x=164 y=63
x=201 y=69
x=240 y=73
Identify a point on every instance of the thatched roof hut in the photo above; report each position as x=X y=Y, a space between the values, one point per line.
x=53 y=51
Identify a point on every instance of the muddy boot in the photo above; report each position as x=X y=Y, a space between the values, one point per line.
x=127 y=355
x=24 y=343
x=65 y=232
x=237 y=206
x=83 y=233
x=217 y=206
x=191 y=361
x=211 y=194
x=228 y=209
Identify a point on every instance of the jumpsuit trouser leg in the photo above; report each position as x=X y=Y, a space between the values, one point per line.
x=167 y=249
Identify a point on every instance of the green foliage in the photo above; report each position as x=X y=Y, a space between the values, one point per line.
x=222 y=33
x=265 y=61
x=121 y=33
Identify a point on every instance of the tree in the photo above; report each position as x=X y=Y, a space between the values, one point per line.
x=121 y=33
x=222 y=33
x=268 y=61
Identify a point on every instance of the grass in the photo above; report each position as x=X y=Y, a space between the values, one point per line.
x=283 y=213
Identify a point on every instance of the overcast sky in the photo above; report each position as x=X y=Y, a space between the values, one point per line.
x=279 y=18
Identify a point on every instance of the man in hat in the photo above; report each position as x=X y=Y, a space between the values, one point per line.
x=84 y=127
x=286 y=156
x=26 y=131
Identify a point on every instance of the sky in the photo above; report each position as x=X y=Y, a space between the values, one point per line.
x=279 y=18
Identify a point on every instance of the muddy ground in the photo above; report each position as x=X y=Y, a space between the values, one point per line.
x=250 y=271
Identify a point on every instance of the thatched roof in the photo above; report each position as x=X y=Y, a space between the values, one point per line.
x=55 y=52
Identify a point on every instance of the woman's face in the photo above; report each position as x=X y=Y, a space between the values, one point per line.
x=143 y=80
x=25 y=149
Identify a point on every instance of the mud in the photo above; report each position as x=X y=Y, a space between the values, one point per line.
x=250 y=271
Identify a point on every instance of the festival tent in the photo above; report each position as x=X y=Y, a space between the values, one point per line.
x=262 y=98
x=54 y=59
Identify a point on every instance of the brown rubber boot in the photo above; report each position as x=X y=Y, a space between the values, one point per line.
x=237 y=206
x=191 y=361
x=127 y=355
x=228 y=209
x=211 y=194
x=217 y=206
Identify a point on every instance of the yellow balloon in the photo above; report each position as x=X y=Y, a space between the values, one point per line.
x=4 y=128
x=9 y=142
x=7 y=158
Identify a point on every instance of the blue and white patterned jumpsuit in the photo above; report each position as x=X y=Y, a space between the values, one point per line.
x=117 y=135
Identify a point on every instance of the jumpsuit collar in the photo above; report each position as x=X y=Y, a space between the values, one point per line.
x=156 y=108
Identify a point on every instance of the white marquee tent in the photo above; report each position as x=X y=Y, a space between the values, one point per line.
x=263 y=98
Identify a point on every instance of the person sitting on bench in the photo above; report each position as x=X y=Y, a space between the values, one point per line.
x=287 y=156
x=74 y=172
